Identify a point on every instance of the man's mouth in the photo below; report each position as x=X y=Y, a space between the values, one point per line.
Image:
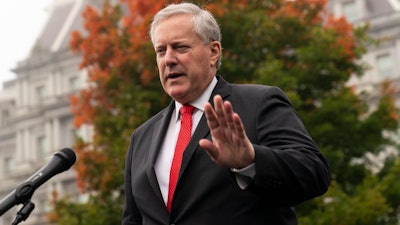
x=174 y=75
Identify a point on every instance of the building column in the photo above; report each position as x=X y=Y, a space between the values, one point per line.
x=56 y=134
x=48 y=137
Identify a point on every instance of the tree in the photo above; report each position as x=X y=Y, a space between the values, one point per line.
x=309 y=54
x=123 y=90
x=295 y=45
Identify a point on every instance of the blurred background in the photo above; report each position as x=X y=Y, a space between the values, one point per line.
x=81 y=74
x=28 y=19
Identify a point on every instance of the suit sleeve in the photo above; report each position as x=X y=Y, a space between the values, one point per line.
x=289 y=166
x=131 y=214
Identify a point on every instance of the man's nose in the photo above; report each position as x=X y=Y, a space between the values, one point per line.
x=170 y=57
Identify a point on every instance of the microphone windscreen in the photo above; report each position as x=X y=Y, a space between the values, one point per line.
x=68 y=156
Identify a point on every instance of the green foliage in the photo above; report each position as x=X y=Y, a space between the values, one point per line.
x=338 y=207
x=123 y=92
x=302 y=57
x=93 y=212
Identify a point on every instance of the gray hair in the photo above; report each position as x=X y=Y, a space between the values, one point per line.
x=204 y=23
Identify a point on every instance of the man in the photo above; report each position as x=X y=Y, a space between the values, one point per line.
x=249 y=159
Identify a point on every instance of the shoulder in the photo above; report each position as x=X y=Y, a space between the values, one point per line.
x=226 y=88
x=256 y=88
x=248 y=87
x=250 y=93
x=258 y=91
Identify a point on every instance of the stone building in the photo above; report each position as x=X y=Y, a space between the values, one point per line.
x=35 y=115
x=383 y=17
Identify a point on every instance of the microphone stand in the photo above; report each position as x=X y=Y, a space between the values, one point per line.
x=24 y=212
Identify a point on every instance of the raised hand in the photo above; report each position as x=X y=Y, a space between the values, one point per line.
x=230 y=146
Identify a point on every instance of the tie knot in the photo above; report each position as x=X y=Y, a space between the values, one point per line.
x=187 y=109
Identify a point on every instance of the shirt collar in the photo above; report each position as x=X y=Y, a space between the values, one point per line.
x=200 y=101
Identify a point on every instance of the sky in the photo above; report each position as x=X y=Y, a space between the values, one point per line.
x=21 y=22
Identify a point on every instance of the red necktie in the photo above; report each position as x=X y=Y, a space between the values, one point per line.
x=183 y=139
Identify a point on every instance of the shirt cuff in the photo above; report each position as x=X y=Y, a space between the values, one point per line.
x=245 y=175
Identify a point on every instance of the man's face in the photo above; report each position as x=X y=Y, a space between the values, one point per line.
x=186 y=65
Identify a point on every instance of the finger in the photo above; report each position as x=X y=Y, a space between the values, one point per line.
x=210 y=149
x=228 y=109
x=220 y=111
x=238 y=126
x=211 y=116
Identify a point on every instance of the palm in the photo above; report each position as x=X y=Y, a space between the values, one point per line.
x=230 y=146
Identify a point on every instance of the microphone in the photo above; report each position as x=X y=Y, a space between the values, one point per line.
x=60 y=162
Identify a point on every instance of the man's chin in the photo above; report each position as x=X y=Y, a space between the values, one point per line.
x=180 y=96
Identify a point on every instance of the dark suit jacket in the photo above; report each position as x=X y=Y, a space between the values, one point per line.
x=289 y=167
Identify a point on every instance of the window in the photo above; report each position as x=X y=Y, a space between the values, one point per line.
x=41 y=147
x=350 y=11
x=5 y=114
x=9 y=164
x=44 y=205
x=74 y=83
x=40 y=93
x=385 y=65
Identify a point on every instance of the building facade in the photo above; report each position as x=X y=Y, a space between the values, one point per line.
x=383 y=18
x=35 y=116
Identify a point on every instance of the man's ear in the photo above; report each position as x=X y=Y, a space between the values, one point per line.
x=215 y=48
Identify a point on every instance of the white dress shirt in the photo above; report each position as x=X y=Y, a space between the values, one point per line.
x=164 y=159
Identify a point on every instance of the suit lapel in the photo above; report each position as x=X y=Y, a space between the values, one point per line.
x=160 y=129
x=222 y=88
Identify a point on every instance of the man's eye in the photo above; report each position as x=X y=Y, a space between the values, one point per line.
x=160 y=51
x=182 y=48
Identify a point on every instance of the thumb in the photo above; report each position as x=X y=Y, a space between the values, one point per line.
x=209 y=148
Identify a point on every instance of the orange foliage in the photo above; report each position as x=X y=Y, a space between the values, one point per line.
x=138 y=21
x=105 y=50
x=146 y=76
x=389 y=91
x=144 y=9
x=87 y=168
x=81 y=108
x=80 y=165
x=312 y=12
x=101 y=51
x=221 y=7
x=305 y=11
x=345 y=38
